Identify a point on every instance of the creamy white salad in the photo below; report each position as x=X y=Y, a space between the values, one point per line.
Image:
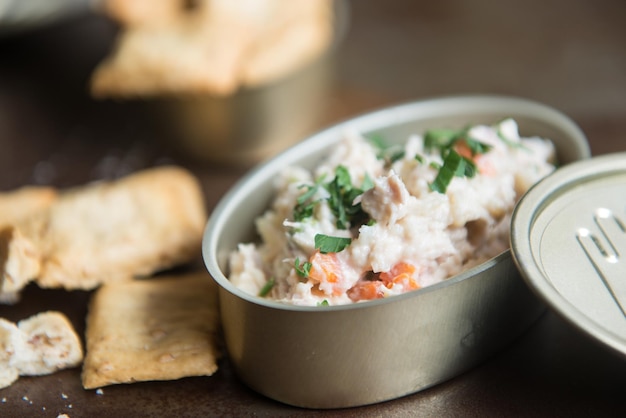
x=373 y=221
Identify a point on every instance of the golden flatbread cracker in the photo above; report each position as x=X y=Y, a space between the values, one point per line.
x=163 y=328
x=113 y=231
x=293 y=35
x=19 y=259
x=191 y=51
x=186 y=58
x=142 y=12
x=105 y=231
x=282 y=49
x=22 y=203
x=20 y=263
x=210 y=47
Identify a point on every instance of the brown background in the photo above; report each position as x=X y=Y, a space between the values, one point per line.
x=568 y=54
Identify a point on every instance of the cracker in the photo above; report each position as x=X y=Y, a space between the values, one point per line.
x=196 y=52
x=51 y=344
x=22 y=203
x=212 y=48
x=20 y=263
x=39 y=345
x=105 y=231
x=19 y=259
x=162 y=328
x=142 y=12
x=113 y=231
x=294 y=35
x=9 y=343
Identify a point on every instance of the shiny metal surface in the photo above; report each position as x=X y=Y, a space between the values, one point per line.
x=255 y=123
x=365 y=353
x=569 y=241
x=250 y=125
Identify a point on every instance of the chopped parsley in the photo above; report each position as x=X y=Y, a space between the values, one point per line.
x=327 y=244
x=454 y=164
x=303 y=269
x=341 y=201
x=265 y=290
x=444 y=139
x=305 y=203
x=441 y=138
x=342 y=194
x=323 y=303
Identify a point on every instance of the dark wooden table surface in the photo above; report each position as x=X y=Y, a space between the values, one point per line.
x=569 y=54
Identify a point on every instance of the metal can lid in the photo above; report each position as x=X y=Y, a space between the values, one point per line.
x=568 y=239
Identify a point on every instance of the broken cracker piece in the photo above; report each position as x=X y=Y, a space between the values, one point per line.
x=52 y=344
x=10 y=342
x=19 y=259
x=163 y=328
x=39 y=345
x=19 y=263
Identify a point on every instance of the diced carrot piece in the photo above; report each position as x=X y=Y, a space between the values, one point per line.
x=401 y=273
x=324 y=268
x=366 y=290
x=327 y=272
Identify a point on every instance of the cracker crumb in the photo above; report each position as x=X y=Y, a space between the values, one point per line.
x=63 y=416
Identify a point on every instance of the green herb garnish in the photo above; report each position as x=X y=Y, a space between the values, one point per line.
x=267 y=287
x=476 y=147
x=323 y=303
x=342 y=194
x=304 y=204
x=303 y=269
x=341 y=200
x=327 y=244
x=453 y=165
x=442 y=138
